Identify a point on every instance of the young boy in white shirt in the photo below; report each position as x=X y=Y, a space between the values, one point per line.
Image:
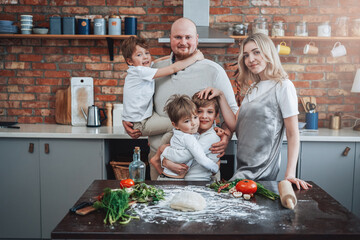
x=185 y=144
x=139 y=87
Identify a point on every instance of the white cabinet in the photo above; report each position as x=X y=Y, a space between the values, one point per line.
x=20 y=188
x=356 y=195
x=41 y=187
x=325 y=164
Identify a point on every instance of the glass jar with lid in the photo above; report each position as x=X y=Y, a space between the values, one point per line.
x=324 y=30
x=241 y=29
x=278 y=29
x=260 y=25
x=355 y=28
x=301 y=29
x=342 y=26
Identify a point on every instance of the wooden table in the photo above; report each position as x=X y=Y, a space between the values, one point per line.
x=316 y=216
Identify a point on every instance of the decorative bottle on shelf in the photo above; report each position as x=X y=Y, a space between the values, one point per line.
x=137 y=167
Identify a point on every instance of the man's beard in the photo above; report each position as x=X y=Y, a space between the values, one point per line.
x=181 y=56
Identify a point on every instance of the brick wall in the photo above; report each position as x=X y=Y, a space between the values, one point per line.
x=31 y=70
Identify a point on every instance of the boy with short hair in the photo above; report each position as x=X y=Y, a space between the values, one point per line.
x=139 y=87
x=200 y=169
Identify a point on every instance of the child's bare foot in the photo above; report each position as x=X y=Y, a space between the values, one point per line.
x=155 y=161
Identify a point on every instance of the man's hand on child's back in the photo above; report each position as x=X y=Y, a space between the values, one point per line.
x=220 y=132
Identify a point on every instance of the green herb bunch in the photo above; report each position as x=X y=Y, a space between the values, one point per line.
x=143 y=193
x=115 y=202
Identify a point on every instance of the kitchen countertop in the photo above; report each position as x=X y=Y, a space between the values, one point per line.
x=68 y=131
x=316 y=216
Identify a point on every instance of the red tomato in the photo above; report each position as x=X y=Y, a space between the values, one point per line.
x=246 y=186
x=126 y=183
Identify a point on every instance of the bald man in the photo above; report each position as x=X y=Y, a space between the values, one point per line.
x=196 y=77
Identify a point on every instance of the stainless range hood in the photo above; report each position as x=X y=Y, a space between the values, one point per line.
x=198 y=11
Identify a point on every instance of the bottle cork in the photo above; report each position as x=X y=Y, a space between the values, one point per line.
x=108 y=107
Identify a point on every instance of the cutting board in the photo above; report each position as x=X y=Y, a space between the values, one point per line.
x=82 y=95
x=63 y=106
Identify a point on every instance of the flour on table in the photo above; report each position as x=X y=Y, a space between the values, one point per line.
x=188 y=201
x=219 y=207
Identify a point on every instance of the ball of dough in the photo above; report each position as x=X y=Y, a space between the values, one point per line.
x=188 y=201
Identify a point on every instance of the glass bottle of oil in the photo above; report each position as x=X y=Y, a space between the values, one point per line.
x=137 y=167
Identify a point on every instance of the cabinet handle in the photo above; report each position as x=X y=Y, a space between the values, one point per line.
x=31 y=148
x=346 y=151
x=47 y=148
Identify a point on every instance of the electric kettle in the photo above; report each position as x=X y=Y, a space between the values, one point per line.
x=93 y=117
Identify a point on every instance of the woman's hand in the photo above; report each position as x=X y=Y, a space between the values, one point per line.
x=298 y=182
x=209 y=93
x=133 y=133
x=178 y=168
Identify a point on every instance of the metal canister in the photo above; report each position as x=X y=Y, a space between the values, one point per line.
x=335 y=121
x=114 y=25
x=130 y=25
x=84 y=26
x=99 y=26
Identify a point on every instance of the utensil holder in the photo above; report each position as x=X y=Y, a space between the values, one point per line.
x=312 y=120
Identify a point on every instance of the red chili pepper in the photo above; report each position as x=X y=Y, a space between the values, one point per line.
x=223 y=187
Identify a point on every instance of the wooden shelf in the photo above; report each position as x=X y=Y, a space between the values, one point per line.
x=109 y=38
x=62 y=36
x=295 y=38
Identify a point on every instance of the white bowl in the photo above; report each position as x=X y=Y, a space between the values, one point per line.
x=40 y=30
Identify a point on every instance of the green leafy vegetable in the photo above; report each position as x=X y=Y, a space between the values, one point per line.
x=143 y=193
x=225 y=186
x=115 y=202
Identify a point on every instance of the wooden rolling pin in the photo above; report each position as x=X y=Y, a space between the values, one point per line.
x=287 y=195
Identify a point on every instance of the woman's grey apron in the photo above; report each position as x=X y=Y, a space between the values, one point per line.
x=259 y=130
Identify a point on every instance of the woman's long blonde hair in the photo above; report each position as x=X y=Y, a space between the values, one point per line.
x=273 y=70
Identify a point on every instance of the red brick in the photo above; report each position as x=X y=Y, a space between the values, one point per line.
x=99 y=66
x=86 y=59
x=305 y=10
x=63 y=3
x=158 y=26
x=30 y=57
x=9 y=104
x=312 y=92
x=19 y=49
x=19 y=112
x=319 y=68
x=107 y=98
x=326 y=100
x=92 y=2
x=14 y=89
x=30 y=120
x=133 y=10
x=58 y=58
x=235 y=3
x=24 y=96
x=161 y=10
x=47 y=50
x=98 y=51
x=301 y=84
x=160 y=51
x=70 y=66
x=93 y=74
x=147 y=35
x=127 y=3
x=243 y=10
x=35 y=2
x=37 y=89
x=154 y=18
x=49 y=66
x=32 y=73
x=294 y=3
x=57 y=74
x=7 y=73
x=219 y=10
x=341 y=108
x=17 y=65
x=310 y=76
x=3 y=96
x=173 y=3
x=325 y=84
x=75 y=50
x=45 y=97
x=18 y=9
x=48 y=81
x=273 y=10
x=228 y=18
x=75 y=10
x=44 y=112
x=105 y=82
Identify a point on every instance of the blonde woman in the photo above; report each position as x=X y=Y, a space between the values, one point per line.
x=268 y=111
